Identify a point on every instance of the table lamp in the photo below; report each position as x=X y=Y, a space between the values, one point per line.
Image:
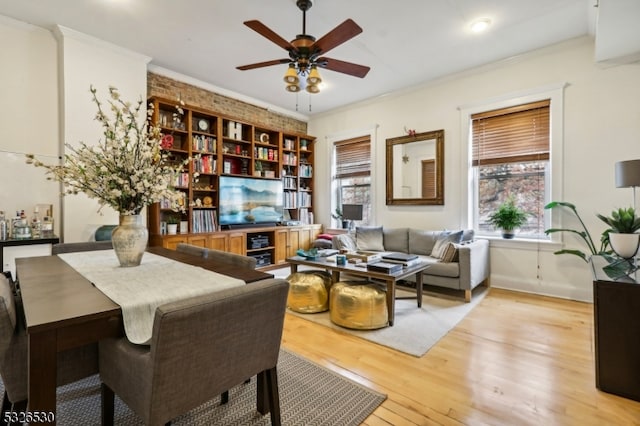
x=351 y=212
x=628 y=175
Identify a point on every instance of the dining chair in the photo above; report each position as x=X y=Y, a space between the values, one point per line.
x=73 y=364
x=191 y=249
x=199 y=348
x=233 y=259
x=81 y=246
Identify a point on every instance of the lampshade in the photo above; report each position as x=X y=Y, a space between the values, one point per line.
x=292 y=88
x=627 y=173
x=352 y=211
x=313 y=88
x=314 y=76
x=291 y=76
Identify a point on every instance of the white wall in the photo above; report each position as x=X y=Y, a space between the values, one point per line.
x=601 y=126
x=86 y=61
x=28 y=116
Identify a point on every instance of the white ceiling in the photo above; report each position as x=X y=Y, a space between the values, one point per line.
x=405 y=42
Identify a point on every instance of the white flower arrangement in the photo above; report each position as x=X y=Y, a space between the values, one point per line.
x=127 y=170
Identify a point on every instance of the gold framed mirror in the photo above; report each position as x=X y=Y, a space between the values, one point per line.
x=415 y=169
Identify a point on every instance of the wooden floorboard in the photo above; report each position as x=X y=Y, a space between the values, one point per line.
x=516 y=359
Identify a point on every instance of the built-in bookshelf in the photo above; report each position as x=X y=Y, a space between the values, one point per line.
x=219 y=145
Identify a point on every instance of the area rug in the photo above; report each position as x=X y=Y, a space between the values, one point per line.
x=415 y=330
x=309 y=395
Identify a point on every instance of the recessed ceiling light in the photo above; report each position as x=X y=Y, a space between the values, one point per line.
x=480 y=25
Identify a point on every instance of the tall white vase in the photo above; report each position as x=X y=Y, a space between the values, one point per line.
x=624 y=245
x=130 y=240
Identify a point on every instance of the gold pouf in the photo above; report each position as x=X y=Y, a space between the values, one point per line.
x=309 y=291
x=358 y=306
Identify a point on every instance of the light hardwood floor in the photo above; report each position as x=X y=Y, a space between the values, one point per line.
x=516 y=359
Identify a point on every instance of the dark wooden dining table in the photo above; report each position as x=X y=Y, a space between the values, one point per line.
x=64 y=310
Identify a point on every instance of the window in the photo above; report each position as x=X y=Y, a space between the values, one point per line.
x=352 y=178
x=510 y=157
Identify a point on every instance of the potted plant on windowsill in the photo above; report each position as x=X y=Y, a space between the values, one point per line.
x=508 y=217
x=622 y=235
x=340 y=218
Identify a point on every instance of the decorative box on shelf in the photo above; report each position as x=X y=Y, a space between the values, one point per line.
x=365 y=256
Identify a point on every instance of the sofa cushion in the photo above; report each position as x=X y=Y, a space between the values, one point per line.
x=441 y=243
x=441 y=269
x=450 y=253
x=422 y=242
x=467 y=235
x=344 y=242
x=396 y=239
x=369 y=238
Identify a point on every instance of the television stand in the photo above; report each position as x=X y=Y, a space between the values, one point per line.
x=248 y=225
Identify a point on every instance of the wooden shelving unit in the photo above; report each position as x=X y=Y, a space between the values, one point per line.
x=221 y=145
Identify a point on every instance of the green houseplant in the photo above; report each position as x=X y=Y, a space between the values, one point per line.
x=340 y=218
x=583 y=234
x=623 y=224
x=508 y=217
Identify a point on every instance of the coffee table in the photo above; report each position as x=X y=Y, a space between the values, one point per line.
x=329 y=264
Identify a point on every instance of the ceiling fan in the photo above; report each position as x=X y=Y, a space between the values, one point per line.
x=305 y=51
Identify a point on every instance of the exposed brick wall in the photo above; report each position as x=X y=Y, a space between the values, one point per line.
x=165 y=87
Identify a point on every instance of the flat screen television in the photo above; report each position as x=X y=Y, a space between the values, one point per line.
x=244 y=201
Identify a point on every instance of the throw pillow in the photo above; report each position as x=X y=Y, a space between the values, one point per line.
x=441 y=243
x=450 y=253
x=467 y=235
x=344 y=242
x=325 y=237
x=369 y=238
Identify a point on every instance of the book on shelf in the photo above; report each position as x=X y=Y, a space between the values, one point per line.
x=384 y=267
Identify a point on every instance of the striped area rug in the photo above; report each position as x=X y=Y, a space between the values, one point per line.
x=309 y=395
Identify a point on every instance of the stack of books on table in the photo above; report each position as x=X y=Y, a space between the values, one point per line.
x=384 y=267
x=404 y=259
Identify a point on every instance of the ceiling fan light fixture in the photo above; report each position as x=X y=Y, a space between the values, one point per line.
x=291 y=76
x=314 y=76
x=292 y=88
x=313 y=88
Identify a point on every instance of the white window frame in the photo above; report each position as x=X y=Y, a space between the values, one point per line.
x=346 y=135
x=554 y=180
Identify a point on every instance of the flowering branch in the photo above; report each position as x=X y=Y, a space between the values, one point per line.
x=127 y=170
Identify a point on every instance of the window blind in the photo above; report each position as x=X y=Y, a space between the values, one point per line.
x=428 y=178
x=510 y=135
x=353 y=157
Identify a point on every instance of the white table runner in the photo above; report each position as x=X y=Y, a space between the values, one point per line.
x=140 y=290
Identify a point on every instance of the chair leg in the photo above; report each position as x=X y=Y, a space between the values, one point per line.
x=262 y=402
x=268 y=396
x=18 y=407
x=224 y=397
x=6 y=408
x=274 y=396
x=107 y=404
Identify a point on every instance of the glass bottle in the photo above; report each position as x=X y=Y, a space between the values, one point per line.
x=36 y=224
x=4 y=227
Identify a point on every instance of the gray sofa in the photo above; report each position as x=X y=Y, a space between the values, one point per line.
x=458 y=261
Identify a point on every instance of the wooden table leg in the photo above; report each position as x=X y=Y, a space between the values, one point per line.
x=294 y=268
x=335 y=276
x=391 y=301
x=419 y=288
x=42 y=353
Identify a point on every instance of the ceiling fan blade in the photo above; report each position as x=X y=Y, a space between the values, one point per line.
x=264 y=64
x=343 y=32
x=266 y=32
x=343 y=67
